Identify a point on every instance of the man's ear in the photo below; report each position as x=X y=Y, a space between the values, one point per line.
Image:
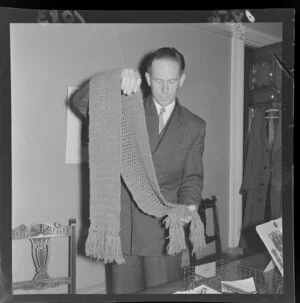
x=182 y=78
x=147 y=75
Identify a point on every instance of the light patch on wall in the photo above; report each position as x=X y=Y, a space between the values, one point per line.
x=75 y=152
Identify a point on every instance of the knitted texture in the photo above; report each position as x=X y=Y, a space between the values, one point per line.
x=118 y=144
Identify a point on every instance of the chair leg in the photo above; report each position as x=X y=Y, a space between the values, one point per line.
x=72 y=257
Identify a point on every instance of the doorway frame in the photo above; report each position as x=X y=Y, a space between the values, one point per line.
x=241 y=36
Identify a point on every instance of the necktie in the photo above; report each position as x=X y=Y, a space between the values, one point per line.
x=161 y=123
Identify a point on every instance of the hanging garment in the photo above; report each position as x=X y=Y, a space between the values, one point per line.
x=255 y=180
x=271 y=132
x=276 y=171
x=262 y=177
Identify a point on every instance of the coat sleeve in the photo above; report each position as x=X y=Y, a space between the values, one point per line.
x=80 y=100
x=191 y=188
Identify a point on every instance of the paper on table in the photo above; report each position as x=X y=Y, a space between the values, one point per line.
x=271 y=235
x=239 y=286
x=206 y=270
x=202 y=289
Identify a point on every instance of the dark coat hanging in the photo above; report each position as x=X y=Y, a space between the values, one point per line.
x=262 y=179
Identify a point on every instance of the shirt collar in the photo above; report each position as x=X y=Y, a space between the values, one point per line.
x=168 y=108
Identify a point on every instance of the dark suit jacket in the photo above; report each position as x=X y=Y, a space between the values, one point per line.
x=177 y=158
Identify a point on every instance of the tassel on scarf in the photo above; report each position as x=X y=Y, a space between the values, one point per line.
x=176 y=237
x=104 y=246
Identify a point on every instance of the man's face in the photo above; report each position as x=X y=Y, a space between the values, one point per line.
x=165 y=80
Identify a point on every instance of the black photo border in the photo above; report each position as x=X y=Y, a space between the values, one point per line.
x=14 y=15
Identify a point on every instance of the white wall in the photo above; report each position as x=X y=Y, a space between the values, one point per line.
x=46 y=59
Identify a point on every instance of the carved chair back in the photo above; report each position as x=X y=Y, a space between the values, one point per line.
x=40 y=236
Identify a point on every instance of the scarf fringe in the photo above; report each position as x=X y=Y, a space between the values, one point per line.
x=104 y=246
x=177 y=241
x=197 y=236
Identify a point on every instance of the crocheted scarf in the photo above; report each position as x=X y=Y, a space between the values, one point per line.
x=118 y=144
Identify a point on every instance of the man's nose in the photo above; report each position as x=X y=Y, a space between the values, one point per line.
x=165 y=87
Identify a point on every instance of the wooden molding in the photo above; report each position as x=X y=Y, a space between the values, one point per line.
x=222 y=29
x=256 y=38
x=252 y=37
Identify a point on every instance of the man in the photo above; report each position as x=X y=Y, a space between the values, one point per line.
x=176 y=138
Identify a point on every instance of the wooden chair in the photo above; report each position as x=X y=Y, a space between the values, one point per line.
x=216 y=237
x=204 y=205
x=40 y=236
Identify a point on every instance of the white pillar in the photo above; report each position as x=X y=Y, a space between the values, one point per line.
x=236 y=132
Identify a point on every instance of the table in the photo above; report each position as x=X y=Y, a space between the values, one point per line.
x=238 y=269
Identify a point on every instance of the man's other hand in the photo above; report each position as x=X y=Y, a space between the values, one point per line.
x=130 y=81
x=187 y=218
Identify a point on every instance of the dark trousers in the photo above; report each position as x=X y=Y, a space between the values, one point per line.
x=142 y=272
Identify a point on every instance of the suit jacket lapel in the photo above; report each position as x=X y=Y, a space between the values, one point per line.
x=152 y=122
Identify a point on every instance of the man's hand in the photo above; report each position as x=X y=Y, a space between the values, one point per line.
x=131 y=81
x=188 y=218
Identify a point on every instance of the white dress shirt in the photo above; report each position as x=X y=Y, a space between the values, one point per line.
x=168 y=110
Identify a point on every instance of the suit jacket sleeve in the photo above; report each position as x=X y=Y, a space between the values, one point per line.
x=80 y=100
x=191 y=189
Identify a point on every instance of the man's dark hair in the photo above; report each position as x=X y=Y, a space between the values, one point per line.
x=170 y=53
